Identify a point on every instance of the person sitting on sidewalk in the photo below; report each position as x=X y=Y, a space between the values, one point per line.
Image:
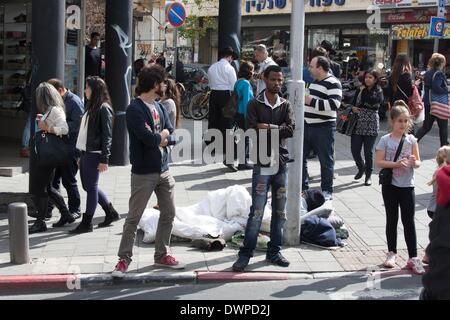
x=268 y=112
x=150 y=132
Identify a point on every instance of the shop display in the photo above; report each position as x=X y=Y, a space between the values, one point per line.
x=15 y=39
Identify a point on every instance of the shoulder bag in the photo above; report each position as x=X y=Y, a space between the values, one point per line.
x=439 y=104
x=51 y=150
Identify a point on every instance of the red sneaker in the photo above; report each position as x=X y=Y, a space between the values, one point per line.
x=120 y=269
x=170 y=262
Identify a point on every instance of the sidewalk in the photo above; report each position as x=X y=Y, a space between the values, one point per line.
x=55 y=252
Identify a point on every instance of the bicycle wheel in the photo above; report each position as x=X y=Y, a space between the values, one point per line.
x=199 y=106
x=185 y=101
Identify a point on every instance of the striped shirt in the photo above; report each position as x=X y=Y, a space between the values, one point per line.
x=326 y=98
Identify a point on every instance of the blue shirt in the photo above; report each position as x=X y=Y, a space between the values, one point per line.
x=244 y=92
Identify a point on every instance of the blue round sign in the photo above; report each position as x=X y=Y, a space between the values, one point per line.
x=176 y=14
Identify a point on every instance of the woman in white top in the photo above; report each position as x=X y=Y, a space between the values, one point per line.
x=171 y=101
x=51 y=118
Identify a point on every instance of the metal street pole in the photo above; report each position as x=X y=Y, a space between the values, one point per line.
x=175 y=53
x=440 y=14
x=297 y=98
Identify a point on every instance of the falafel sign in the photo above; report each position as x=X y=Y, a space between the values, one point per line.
x=415 y=31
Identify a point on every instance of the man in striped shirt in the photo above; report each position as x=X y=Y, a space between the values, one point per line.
x=325 y=95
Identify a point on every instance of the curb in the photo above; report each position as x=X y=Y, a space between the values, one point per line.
x=82 y=281
x=223 y=276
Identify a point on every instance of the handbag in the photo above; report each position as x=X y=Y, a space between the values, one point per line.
x=229 y=111
x=385 y=174
x=343 y=120
x=415 y=103
x=439 y=104
x=51 y=150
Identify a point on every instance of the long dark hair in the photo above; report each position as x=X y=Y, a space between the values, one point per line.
x=374 y=73
x=173 y=93
x=401 y=64
x=99 y=95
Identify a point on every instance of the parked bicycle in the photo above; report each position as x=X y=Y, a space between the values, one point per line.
x=199 y=105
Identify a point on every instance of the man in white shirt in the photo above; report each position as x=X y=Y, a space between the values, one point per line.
x=262 y=56
x=221 y=77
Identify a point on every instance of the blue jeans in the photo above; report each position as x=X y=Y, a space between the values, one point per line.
x=260 y=187
x=320 y=138
x=89 y=179
x=26 y=134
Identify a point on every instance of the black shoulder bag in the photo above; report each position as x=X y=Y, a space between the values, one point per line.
x=51 y=150
x=385 y=174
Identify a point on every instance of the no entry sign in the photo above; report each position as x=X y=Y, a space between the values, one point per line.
x=176 y=14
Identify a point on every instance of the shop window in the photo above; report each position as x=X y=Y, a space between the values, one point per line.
x=15 y=39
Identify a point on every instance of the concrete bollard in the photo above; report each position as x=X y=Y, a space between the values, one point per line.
x=19 y=247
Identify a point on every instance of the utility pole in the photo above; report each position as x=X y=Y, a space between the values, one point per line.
x=297 y=98
x=440 y=14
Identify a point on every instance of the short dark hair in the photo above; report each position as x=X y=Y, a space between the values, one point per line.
x=246 y=70
x=318 y=52
x=150 y=77
x=272 y=68
x=58 y=84
x=95 y=34
x=323 y=62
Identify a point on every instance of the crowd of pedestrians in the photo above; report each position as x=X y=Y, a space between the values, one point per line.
x=153 y=115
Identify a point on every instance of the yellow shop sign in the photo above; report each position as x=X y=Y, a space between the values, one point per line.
x=415 y=31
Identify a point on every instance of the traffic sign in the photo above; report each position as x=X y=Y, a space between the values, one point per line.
x=437 y=27
x=176 y=14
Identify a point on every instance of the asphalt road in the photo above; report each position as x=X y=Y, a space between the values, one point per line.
x=396 y=287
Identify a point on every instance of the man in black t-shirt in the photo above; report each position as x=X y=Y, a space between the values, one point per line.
x=93 y=59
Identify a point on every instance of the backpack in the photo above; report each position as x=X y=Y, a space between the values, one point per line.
x=229 y=111
x=319 y=231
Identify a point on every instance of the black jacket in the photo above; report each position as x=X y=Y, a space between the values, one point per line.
x=281 y=118
x=437 y=279
x=405 y=85
x=370 y=99
x=145 y=155
x=99 y=133
x=335 y=68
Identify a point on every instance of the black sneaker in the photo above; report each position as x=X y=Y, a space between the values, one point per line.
x=76 y=214
x=240 y=264
x=278 y=260
x=359 y=174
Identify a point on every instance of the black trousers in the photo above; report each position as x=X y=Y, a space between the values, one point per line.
x=395 y=197
x=217 y=101
x=428 y=124
x=67 y=174
x=240 y=122
x=41 y=187
x=357 y=143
